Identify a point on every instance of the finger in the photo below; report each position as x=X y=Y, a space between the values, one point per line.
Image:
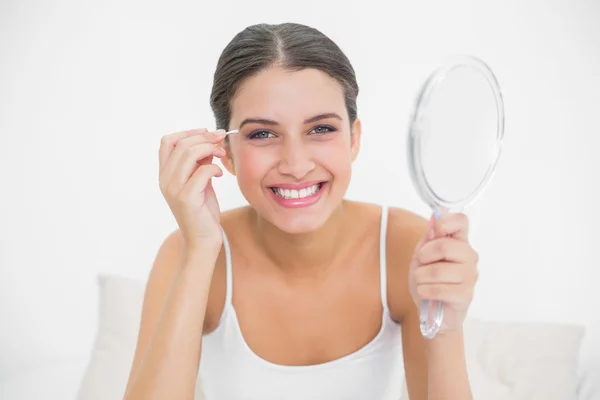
x=200 y=179
x=446 y=249
x=183 y=144
x=194 y=157
x=449 y=293
x=170 y=143
x=167 y=143
x=455 y=225
x=206 y=137
x=443 y=272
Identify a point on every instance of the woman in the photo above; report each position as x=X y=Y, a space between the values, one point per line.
x=302 y=294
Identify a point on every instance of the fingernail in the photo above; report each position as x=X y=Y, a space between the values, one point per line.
x=218 y=132
x=431 y=233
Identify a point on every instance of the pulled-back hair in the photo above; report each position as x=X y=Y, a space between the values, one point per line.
x=289 y=45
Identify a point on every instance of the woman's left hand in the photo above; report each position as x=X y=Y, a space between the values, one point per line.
x=444 y=268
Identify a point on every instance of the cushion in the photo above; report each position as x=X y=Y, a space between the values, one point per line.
x=505 y=360
x=120 y=310
x=527 y=360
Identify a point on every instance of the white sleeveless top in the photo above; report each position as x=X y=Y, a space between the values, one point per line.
x=230 y=370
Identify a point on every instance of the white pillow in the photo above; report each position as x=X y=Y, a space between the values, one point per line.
x=516 y=361
x=522 y=361
x=121 y=302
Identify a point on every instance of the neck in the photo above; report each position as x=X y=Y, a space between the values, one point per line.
x=306 y=254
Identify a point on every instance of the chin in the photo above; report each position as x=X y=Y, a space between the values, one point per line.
x=300 y=224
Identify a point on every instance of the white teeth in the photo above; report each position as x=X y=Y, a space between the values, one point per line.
x=297 y=194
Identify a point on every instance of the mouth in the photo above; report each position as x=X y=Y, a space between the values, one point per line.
x=293 y=194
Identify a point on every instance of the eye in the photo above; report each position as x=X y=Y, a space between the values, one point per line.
x=322 y=129
x=260 y=135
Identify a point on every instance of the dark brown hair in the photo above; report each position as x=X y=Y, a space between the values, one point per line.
x=289 y=45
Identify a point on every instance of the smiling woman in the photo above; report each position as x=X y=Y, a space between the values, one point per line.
x=302 y=294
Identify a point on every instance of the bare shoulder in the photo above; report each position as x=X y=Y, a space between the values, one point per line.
x=402 y=223
x=405 y=226
x=405 y=229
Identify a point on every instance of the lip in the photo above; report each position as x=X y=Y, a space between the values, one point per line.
x=299 y=203
x=296 y=186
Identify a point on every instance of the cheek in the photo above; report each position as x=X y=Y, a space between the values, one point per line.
x=253 y=163
x=335 y=156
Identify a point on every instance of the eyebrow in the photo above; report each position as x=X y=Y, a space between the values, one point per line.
x=265 y=121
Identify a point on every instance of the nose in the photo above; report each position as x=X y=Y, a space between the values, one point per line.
x=295 y=160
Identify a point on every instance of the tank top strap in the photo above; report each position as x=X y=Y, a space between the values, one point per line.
x=382 y=257
x=228 y=273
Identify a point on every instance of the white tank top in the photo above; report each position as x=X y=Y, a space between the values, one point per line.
x=230 y=370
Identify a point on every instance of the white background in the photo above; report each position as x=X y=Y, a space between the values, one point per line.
x=87 y=89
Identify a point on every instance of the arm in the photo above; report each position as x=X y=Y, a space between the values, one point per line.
x=447 y=371
x=169 y=344
x=435 y=369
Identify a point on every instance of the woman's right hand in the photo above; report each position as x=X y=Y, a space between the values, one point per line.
x=186 y=171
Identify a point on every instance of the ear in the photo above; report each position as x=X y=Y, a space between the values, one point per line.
x=355 y=138
x=227 y=160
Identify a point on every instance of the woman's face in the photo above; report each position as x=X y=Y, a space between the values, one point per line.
x=294 y=150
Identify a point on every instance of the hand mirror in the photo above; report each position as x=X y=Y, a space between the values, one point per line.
x=454 y=143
